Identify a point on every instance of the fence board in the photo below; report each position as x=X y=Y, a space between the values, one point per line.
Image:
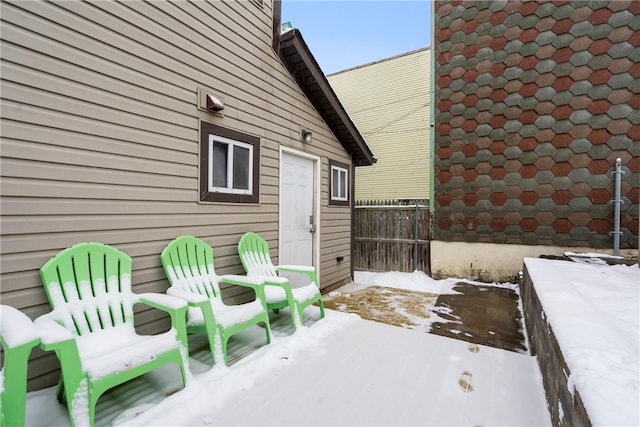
x=385 y=235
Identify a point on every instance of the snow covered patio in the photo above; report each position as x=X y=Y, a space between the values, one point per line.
x=343 y=370
x=340 y=370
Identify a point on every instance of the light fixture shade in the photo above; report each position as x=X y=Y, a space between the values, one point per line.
x=306 y=136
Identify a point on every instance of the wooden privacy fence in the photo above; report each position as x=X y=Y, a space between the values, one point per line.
x=391 y=235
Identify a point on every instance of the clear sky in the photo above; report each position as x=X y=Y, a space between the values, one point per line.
x=343 y=34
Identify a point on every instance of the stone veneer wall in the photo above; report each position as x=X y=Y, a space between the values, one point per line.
x=534 y=101
x=565 y=405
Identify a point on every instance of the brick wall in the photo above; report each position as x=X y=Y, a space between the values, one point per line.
x=534 y=103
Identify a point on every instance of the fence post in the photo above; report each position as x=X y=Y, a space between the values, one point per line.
x=415 y=237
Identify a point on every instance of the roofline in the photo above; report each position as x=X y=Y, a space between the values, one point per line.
x=295 y=54
x=381 y=60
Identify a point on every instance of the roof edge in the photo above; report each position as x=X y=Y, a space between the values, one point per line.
x=295 y=54
x=378 y=61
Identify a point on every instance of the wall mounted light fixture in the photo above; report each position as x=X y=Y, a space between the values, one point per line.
x=305 y=135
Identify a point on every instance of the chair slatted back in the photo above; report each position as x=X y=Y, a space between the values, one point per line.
x=188 y=264
x=254 y=254
x=89 y=287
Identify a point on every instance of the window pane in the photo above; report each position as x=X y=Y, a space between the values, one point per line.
x=241 y=165
x=343 y=185
x=219 y=164
x=335 y=183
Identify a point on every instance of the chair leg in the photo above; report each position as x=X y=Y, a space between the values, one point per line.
x=14 y=396
x=184 y=365
x=267 y=328
x=216 y=343
x=213 y=336
x=93 y=401
x=79 y=403
x=224 y=340
x=321 y=305
x=301 y=308
x=296 y=317
x=62 y=397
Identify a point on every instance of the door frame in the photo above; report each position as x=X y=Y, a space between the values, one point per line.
x=316 y=202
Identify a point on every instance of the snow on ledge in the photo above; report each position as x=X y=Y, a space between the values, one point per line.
x=594 y=312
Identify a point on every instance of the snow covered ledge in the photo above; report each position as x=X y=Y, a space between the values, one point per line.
x=582 y=320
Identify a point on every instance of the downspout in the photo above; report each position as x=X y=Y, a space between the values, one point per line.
x=276 y=22
x=432 y=132
x=352 y=196
x=617 y=201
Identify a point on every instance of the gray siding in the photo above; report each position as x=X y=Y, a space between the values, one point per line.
x=100 y=138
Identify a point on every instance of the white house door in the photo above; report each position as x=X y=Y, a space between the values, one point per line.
x=297 y=222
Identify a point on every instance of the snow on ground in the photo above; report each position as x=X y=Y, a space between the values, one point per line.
x=340 y=370
x=593 y=309
x=416 y=281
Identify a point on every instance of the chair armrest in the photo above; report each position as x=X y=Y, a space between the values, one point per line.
x=296 y=268
x=162 y=302
x=16 y=328
x=191 y=298
x=256 y=283
x=175 y=307
x=52 y=334
x=308 y=270
x=272 y=280
x=234 y=279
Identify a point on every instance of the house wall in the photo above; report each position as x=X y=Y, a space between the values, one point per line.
x=534 y=102
x=100 y=139
x=390 y=103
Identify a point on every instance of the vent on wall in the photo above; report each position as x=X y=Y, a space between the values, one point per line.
x=209 y=102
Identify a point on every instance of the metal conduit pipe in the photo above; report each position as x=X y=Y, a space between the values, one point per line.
x=617 y=201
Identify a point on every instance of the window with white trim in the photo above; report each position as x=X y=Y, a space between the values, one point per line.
x=339 y=183
x=229 y=165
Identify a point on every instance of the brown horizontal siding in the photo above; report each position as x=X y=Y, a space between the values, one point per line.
x=100 y=139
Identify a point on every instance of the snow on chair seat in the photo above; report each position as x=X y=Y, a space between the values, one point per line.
x=256 y=260
x=188 y=264
x=91 y=326
x=17 y=336
x=119 y=349
x=228 y=315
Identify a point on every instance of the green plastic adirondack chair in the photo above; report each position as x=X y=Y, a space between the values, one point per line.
x=18 y=336
x=254 y=254
x=188 y=264
x=91 y=326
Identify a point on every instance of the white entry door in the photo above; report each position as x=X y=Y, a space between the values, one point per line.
x=297 y=221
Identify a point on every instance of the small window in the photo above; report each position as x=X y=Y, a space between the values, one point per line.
x=228 y=165
x=339 y=184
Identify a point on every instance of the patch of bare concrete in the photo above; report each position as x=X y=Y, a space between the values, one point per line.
x=487 y=315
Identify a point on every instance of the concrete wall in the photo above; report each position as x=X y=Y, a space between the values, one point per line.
x=491 y=262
